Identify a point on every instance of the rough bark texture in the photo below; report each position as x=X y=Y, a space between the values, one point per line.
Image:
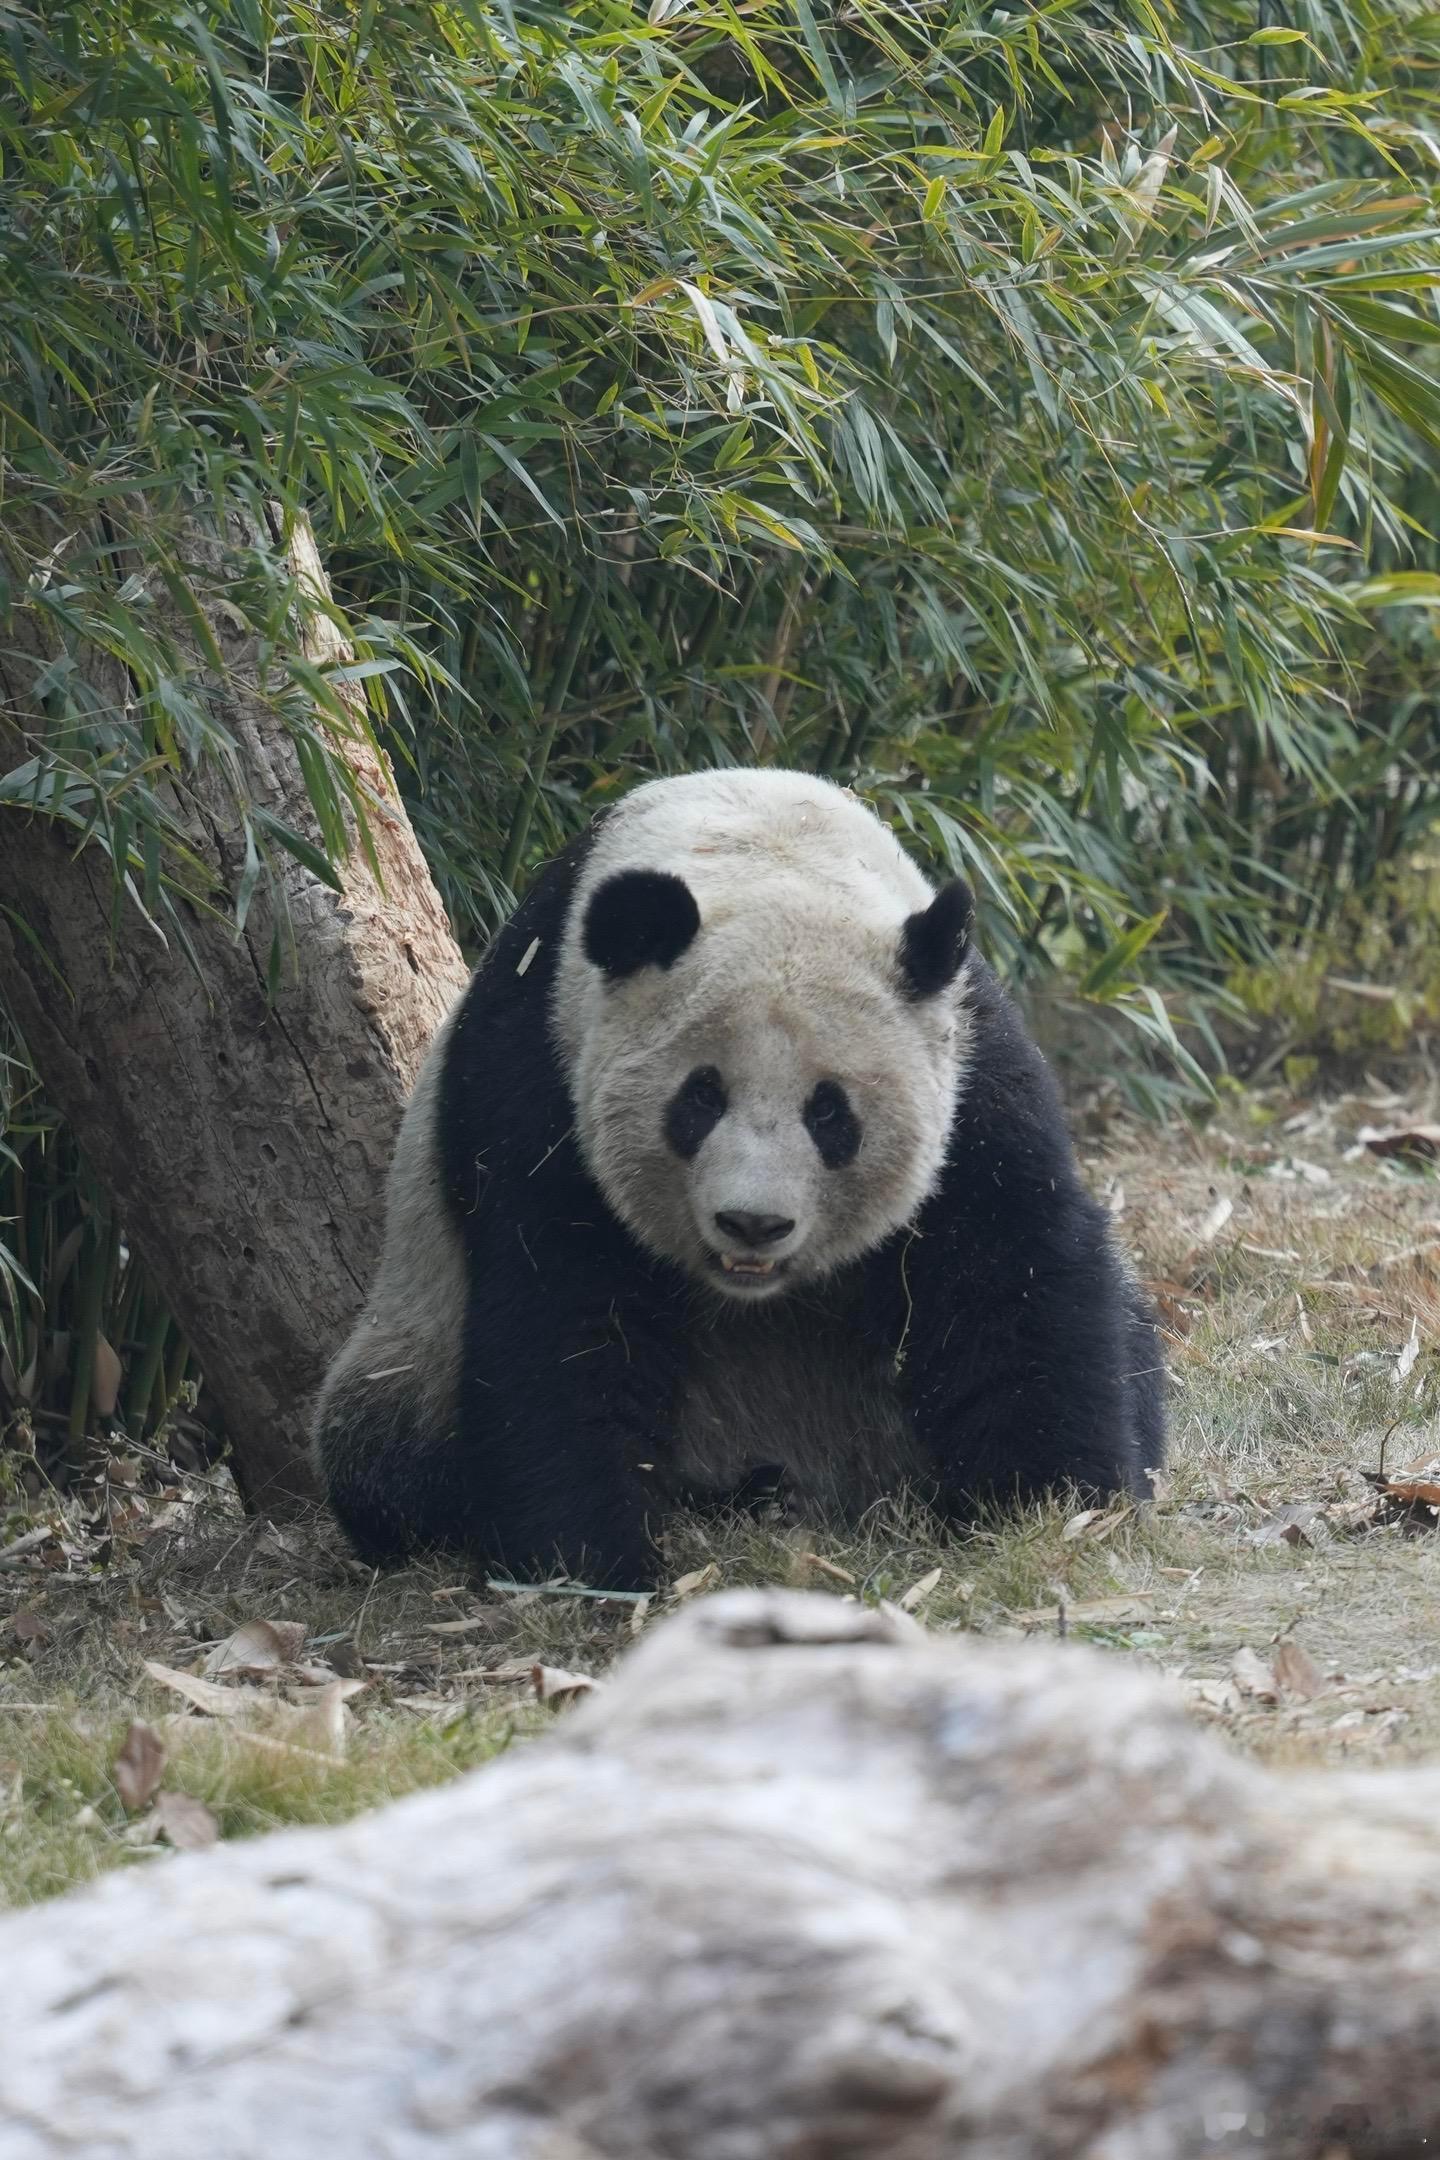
x=245 y=1143
x=800 y=1883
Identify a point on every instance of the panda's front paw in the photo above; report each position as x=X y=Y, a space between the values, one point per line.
x=764 y=1490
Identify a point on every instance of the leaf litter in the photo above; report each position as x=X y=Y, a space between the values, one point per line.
x=1280 y=1526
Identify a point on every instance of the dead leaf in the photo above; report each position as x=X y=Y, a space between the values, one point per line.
x=1414 y=1492
x=461 y=1627
x=207 y=1695
x=139 y=1766
x=1352 y=1517
x=1221 y=1697
x=918 y=1591
x=689 y=1585
x=1095 y=1522
x=1421 y=1143
x=323 y=1724
x=31 y=1542
x=1405 y=1362
x=28 y=1627
x=1214 y=1221
x=1253 y=1676
x=1079 y=1524
x=186 y=1824
x=555 y=1687
x=1289 y=1525
x=1297 y=1171
x=1296 y=1671
x=258 y=1646
x=1169 y=1298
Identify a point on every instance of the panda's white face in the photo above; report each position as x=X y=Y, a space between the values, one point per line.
x=763 y=1042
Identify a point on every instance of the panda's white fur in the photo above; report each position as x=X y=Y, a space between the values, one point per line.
x=564 y=1338
x=402 y=1360
x=803 y=896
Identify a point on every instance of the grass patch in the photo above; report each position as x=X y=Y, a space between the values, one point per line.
x=62 y=1821
x=1306 y=1330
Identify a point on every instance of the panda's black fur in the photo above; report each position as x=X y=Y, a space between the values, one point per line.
x=1020 y=1355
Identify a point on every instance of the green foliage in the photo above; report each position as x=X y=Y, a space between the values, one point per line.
x=952 y=402
x=1021 y=414
x=82 y=1334
x=1366 y=983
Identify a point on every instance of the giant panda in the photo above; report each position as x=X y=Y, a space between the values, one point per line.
x=733 y=1171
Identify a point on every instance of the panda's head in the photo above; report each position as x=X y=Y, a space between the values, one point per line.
x=764 y=1080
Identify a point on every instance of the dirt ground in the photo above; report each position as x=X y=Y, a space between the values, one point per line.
x=1295 y=1252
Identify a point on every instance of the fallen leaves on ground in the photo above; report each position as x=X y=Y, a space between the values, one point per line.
x=207 y=1695
x=258 y=1646
x=185 y=1823
x=29 y=1629
x=691 y=1585
x=1293 y=1524
x=1295 y=1670
x=1410 y=1496
x=317 y=1723
x=139 y=1766
x=1286 y=1690
x=1418 y=1143
x=555 y=1687
x=1253 y=1677
x=1096 y=1522
x=918 y=1591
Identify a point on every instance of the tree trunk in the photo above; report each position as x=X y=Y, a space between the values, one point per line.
x=245 y=1142
x=799 y=1884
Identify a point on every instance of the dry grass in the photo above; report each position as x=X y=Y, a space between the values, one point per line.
x=1290 y=1366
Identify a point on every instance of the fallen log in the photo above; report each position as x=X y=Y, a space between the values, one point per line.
x=800 y=1882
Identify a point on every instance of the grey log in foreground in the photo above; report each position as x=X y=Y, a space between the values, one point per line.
x=799 y=1884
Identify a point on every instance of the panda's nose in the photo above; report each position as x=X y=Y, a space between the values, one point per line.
x=755 y=1230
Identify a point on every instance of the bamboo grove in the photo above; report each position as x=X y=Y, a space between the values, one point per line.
x=1022 y=413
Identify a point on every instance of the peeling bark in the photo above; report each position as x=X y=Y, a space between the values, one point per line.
x=802 y=1883
x=245 y=1142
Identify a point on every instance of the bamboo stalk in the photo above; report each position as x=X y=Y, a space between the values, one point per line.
x=138 y=1395
x=85 y=1328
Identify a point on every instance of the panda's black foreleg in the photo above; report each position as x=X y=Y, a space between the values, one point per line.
x=567 y=1402
x=1021 y=1382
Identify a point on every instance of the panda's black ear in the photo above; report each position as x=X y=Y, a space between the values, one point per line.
x=639 y=918
x=934 y=942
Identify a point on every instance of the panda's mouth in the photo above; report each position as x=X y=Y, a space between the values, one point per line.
x=743 y=1271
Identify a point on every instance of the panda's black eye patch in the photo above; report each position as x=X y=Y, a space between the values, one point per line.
x=696 y=1108
x=832 y=1125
